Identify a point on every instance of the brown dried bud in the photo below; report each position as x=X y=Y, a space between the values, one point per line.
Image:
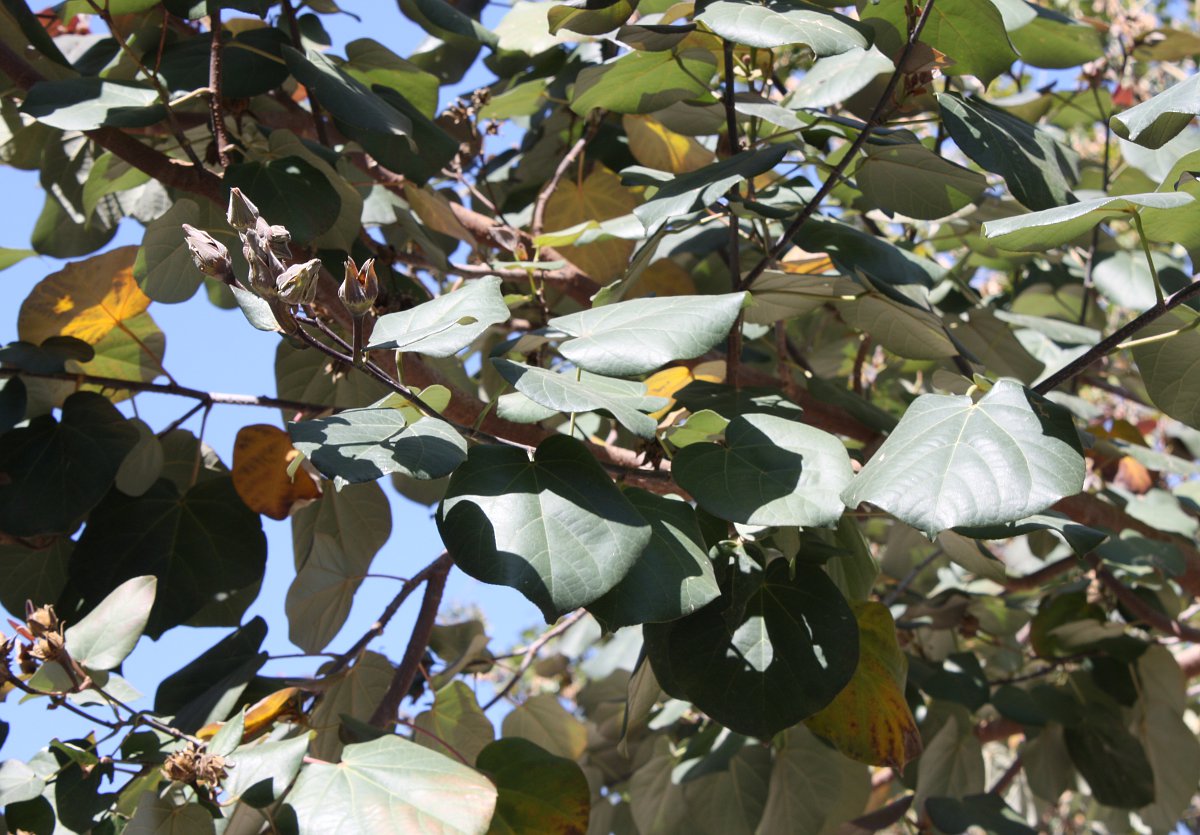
x=298 y=283
x=242 y=213
x=195 y=766
x=210 y=255
x=210 y=770
x=181 y=766
x=49 y=647
x=25 y=661
x=280 y=238
x=41 y=621
x=360 y=287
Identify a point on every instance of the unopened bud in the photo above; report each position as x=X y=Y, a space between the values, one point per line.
x=41 y=621
x=298 y=283
x=280 y=238
x=210 y=255
x=360 y=287
x=242 y=213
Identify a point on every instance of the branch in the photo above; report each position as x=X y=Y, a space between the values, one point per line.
x=531 y=654
x=1111 y=342
x=168 y=171
x=733 y=349
x=214 y=85
x=205 y=397
x=1140 y=608
x=410 y=585
x=1043 y=575
x=402 y=680
x=539 y=207
x=835 y=176
x=294 y=30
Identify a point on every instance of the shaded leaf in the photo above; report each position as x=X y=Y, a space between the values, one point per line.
x=1158 y=120
x=102 y=639
x=541 y=719
x=454 y=725
x=538 y=791
x=599 y=197
x=643 y=82
x=89 y=102
x=914 y=181
x=771 y=471
x=1171 y=368
x=813 y=788
x=555 y=528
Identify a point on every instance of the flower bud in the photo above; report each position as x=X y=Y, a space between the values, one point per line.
x=360 y=287
x=242 y=213
x=298 y=283
x=210 y=255
x=280 y=238
x=261 y=280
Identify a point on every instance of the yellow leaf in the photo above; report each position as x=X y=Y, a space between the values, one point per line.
x=262 y=714
x=261 y=455
x=600 y=197
x=86 y=299
x=663 y=278
x=656 y=146
x=869 y=720
x=670 y=380
x=810 y=265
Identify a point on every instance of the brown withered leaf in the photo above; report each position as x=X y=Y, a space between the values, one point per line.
x=261 y=455
x=869 y=720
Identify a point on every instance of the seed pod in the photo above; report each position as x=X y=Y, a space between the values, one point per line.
x=210 y=255
x=298 y=283
x=242 y=213
x=360 y=287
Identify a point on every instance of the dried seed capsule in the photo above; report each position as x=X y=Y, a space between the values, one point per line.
x=298 y=283
x=360 y=287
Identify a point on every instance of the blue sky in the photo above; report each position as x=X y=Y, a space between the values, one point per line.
x=217 y=350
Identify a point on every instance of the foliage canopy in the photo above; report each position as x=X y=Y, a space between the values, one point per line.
x=826 y=374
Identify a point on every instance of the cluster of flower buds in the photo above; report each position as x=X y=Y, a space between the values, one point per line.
x=46 y=642
x=265 y=246
x=196 y=767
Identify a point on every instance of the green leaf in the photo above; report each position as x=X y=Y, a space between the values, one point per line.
x=10 y=256
x=771 y=471
x=444 y=326
x=813 y=788
x=904 y=329
x=108 y=633
x=538 y=791
x=33 y=574
x=761 y=660
x=373 y=63
x=1171 y=368
x=19 y=782
x=954 y=462
x=164 y=268
x=952 y=764
x=783 y=24
x=169 y=814
x=1155 y=122
x=263 y=770
x=305 y=375
x=319 y=599
x=455 y=725
x=1038 y=169
x=392 y=785
x=358 y=516
x=1082 y=539
x=543 y=720
x=366 y=444
x=916 y=182
x=643 y=82
x=588 y=17
x=247 y=68
x=353 y=696
x=289 y=191
x=55 y=472
x=1040 y=231
x=678 y=195
x=579 y=391
x=202 y=545
x=555 y=528
x=1054 y=41
x=444 y=21
x=987 y=811
x=208 y=687
x=835 y=79
x=673 y=576
x=87 y=103
x=144 y=463
x=1111 y=759
x=628 y=338
x=729 y=402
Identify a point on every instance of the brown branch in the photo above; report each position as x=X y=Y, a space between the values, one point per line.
x=205 y=397
x=377 y=628
x=733 y=346
x=389 y=708
x=318 y=116
x=1043 y=575
x=835 y=175
x=1140 y=608
x=1111 y=342
x=536 y=226
x=214 y=86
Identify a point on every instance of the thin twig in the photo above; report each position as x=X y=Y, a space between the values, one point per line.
x=1110 y=343
x=733 y=351
x=388 y=709
x=539 y=208
x=315 y=106
x=532 y=651
x=214 y=86
x=873 y=121
x=1008 y=776
x=1140 y=609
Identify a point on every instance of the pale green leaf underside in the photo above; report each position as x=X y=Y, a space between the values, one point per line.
x=446 y=325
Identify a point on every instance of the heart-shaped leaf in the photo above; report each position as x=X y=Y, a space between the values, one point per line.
x=771 y=471
x=783 y=24
x=539 y=792
x=365 y=444
x=555 y=528
x=782 y=654
x=628 y=338
x=110 y=631
x=951 y=461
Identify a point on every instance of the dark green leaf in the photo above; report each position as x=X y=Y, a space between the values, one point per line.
x=289 y=191
x=783 y=24
x=53 y=473
x=1039 y=170
x=642 y=82
x=1112 y=760
x=89 y=102
x=202 y=545
x=555 y=528
x=987 y=811
x=538 y=791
